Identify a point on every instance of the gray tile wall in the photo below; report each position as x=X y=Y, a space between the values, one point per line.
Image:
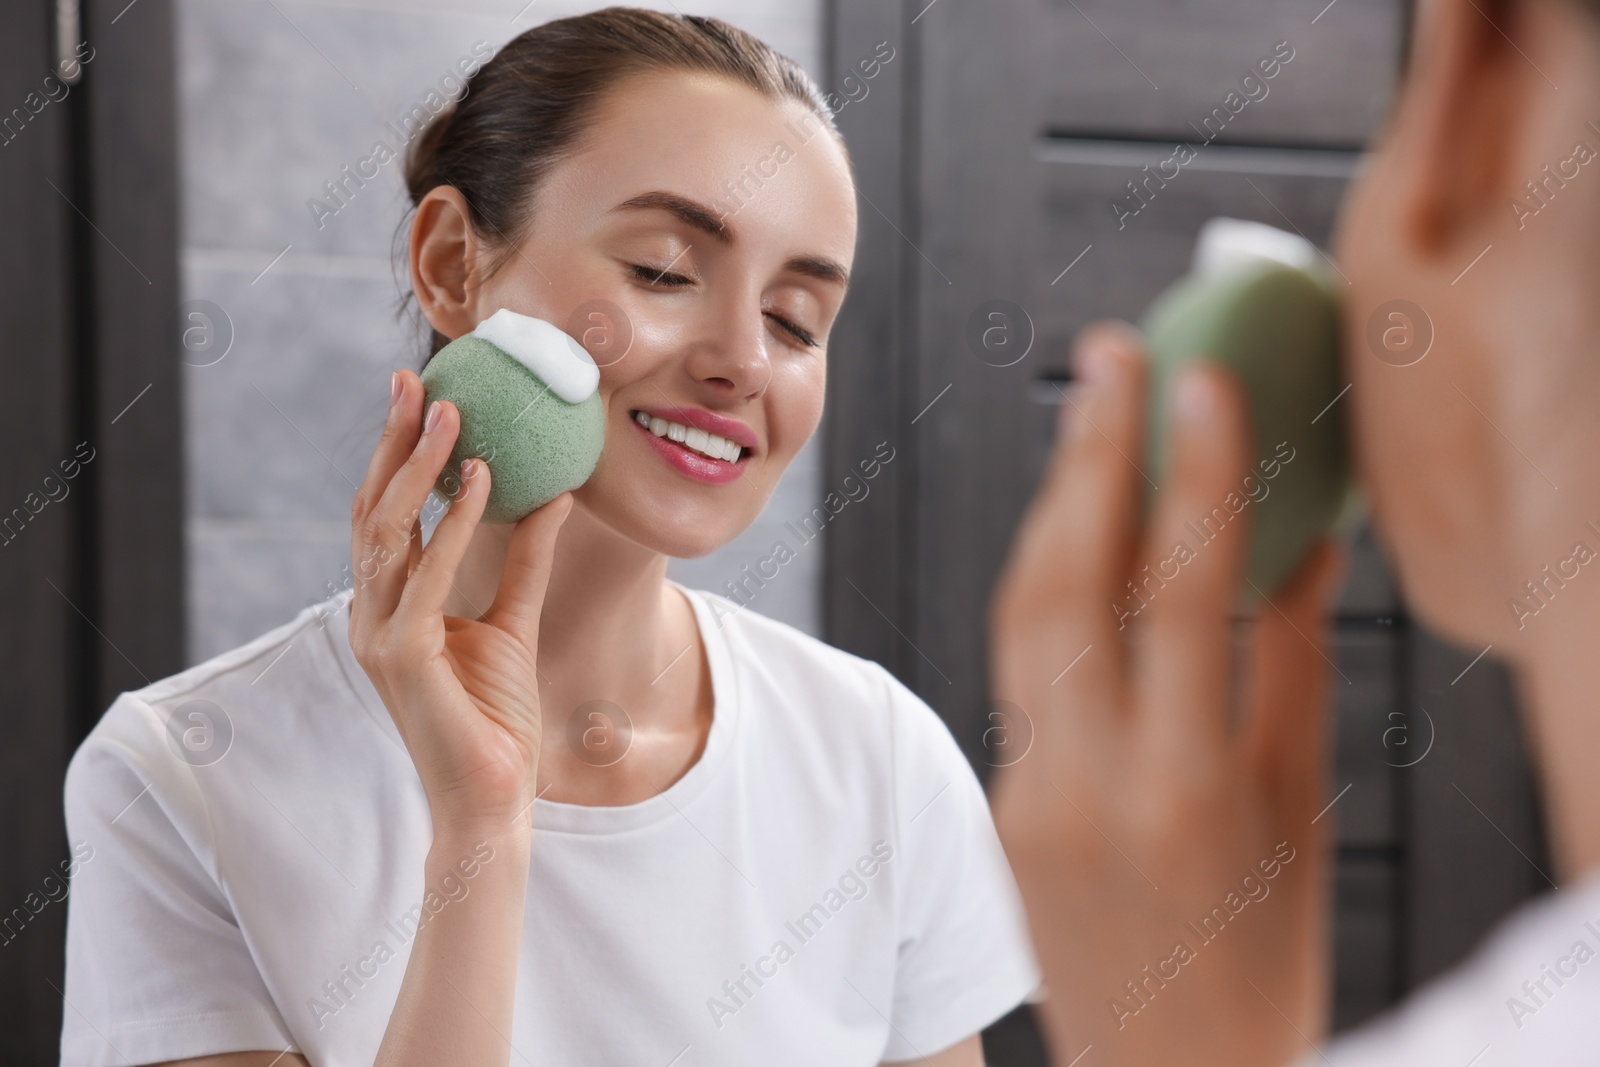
x=274 y=97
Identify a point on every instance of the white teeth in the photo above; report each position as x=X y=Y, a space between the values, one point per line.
x=707 y=444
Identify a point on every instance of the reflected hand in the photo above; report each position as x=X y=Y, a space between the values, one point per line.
x=1149 y=813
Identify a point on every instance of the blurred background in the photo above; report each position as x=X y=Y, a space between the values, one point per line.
x=177 y=308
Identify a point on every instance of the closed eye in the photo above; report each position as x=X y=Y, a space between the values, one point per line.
x=668 y=280
x=665 y=279
x=797 y=332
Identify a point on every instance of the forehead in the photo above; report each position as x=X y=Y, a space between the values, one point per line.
x=772 y=166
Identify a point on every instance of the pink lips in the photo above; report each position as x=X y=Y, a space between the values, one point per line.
x=690 y=463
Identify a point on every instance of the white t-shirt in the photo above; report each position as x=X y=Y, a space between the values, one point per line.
x=824 y=886
x=1528 y=996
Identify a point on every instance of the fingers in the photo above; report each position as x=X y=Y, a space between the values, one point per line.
x=392 y=521
x=433 y=577
x=526 y=573
x=399 y=437
x=1286 y=733
x=1065 y=574
x=1195 y=556
x=373 y=549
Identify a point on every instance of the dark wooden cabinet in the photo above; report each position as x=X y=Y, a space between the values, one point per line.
x=91 y=516
x=990 y=155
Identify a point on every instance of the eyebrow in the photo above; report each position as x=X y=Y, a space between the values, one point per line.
x=697 y=215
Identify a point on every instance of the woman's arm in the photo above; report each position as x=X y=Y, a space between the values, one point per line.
x=456 y=1001
x=464 y=696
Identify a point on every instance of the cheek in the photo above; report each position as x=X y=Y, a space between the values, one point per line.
x=1427 y=463
x=649 y=339
x=1385 y=401
x=794 y=404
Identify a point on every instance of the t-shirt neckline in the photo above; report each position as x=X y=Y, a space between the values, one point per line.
x=556 y=817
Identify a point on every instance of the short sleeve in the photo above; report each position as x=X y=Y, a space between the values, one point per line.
x=157 y=968
x=964 y=956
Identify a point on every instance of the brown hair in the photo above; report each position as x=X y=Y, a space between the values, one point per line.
x=527 y=105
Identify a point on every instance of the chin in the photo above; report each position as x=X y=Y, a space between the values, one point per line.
x=1442 y=564
x=685 y=543
x=1459 y=611
x=665 y=526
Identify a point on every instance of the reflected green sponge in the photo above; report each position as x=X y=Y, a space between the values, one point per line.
x=1259 y=301
x=530 y=408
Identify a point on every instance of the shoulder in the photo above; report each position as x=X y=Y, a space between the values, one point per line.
x=258 y=707
x=1533 y=985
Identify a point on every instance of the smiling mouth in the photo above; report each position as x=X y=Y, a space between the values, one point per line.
x=697 y=441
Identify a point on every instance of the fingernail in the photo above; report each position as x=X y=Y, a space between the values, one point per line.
x=394 y=388
x=1096 y=364
x=1193 y=399
x=469 y=469
x=432 y=419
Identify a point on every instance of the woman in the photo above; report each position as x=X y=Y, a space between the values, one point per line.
x=1473 y=225
x=416 y=850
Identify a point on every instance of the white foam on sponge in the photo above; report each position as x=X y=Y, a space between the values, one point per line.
x=1226 y=244
x=552 y=354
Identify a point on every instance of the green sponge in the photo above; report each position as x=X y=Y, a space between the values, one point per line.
x=530 y=408
x=1259 y=302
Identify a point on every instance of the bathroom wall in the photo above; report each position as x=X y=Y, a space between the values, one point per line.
x=295 y=312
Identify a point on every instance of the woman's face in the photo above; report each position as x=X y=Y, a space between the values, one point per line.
x=697 y=241
x=1468 y=323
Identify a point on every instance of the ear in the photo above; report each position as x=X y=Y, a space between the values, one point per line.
x=1471 y=94
x=444 y=253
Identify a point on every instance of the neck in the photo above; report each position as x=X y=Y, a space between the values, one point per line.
x=1558 y=675
x=610 y=621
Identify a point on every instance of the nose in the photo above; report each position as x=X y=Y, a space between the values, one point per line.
x=729 y=352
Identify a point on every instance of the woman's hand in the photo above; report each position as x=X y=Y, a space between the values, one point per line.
x=464 y=693
x=1163 y=828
